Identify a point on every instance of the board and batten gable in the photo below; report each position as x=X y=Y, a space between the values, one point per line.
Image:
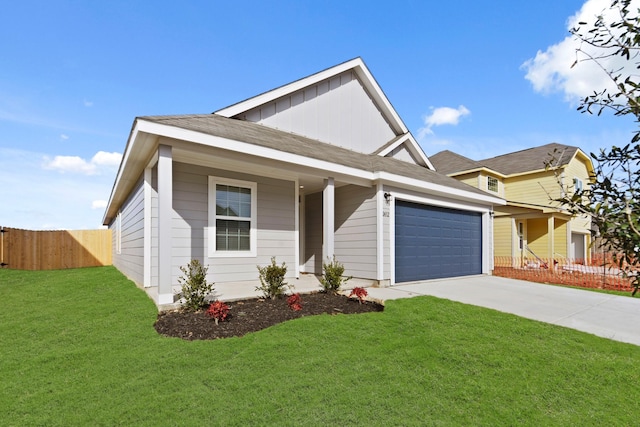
x=276 y=234
x=337 y=111
x=356 y=230
x=128 y=236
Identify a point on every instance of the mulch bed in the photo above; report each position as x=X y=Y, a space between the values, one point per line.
x=255 y=314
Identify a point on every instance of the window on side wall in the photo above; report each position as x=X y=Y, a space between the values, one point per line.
x=492 y=184
x=232 y=218
x=577 y=184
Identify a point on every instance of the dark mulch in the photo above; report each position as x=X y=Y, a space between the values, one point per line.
x=255 y=314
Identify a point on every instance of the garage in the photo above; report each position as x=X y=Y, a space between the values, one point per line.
x=433 y=242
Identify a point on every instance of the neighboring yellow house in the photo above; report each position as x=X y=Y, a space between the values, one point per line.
x=531 y=227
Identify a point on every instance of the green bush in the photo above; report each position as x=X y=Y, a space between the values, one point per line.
x=332 y=279
x=194 y=285
x=272 y=284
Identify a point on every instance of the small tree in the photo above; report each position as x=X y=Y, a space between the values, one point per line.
x=612 y=200
x=194 y=285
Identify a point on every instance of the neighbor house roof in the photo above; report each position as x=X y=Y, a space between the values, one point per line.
x=531 y=159
x=519 y=162
x=447 y=162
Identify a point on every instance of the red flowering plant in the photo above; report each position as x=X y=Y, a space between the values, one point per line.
x=218 y=311
x=360 y=293
x=295 y=302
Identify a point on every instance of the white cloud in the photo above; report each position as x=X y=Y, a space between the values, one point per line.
x=551 y=70
x=45 y=199
x=75 y=164
x=102 y=158
x=88 y=103
x=442 y=116
x=99 y=204
x=64 y=137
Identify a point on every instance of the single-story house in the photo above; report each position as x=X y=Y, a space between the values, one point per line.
x=317 y=168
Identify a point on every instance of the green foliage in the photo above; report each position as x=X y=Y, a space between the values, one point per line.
x=612 y=199
x=332 y=278
x=194 y=285
x=272 y=284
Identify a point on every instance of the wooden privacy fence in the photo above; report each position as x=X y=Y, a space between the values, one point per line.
x=53 y=250
x=599 y=273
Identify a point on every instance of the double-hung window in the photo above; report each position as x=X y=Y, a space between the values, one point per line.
x=492 y=184
x=232 y=217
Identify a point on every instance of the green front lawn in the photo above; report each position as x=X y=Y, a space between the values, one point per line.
x=77 y=347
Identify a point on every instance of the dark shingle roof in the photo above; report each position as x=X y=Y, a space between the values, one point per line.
x=529 y=160
x=264 y=136
x=447 y=162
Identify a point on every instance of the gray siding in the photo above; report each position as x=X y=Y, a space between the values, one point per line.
x=337 y=111
x=356 y=230
x=313 y=233
x=130 y=261
x=275 y=224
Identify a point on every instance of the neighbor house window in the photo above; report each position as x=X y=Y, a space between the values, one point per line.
x=232 y=217
x=492 y=184
x=577 y=184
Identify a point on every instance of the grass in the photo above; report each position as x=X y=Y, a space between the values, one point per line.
x=78 y=347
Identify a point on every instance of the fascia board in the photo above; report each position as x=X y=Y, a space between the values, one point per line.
x=357 y=65
x=266 y=97
x=125 y=157
x=439 y=189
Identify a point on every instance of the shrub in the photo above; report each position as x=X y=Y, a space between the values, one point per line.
x=360 y=293
x=295 y=302
x=272 y=284
x=332 y=279
x=218 y=311
x=194 y=285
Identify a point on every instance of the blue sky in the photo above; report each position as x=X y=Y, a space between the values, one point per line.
x=477 y=78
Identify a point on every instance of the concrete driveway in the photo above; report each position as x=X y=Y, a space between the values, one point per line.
x=609 y=316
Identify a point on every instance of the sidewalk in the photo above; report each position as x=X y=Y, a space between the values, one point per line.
x=609 y=316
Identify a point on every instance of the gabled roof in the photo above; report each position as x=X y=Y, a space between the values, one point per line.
x=356 y=65
x=264 y=136
x=373 y=89
x=530 y=160
x=247 y=138
x=447 y=162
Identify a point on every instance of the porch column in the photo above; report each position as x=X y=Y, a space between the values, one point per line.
x=328 y=219
x=165 y=209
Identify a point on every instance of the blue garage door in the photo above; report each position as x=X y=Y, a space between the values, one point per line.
x=433 y=242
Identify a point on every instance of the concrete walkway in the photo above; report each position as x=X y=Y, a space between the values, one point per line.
x=609 y=316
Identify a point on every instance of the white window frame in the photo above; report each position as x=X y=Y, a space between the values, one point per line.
x=577 y=184
x=497 y=190
x=212 y=251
